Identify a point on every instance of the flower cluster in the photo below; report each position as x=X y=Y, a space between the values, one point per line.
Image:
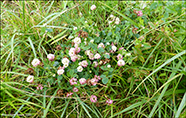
x=138 y=13
x=88 y=62
x=113 y=18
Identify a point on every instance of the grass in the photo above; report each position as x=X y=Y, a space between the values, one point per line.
x=151 y=84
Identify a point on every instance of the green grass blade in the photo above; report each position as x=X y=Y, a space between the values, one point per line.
x=32 y=46
x=163 y=92
x=83 y=106
x=57 y=36
x=181 y=106
x=125 y=17
x=128 y=108
x=59 y=15
x=65 y=109
x=49 y=104
x=152 y=52
x=20 y=108
x=168 y=61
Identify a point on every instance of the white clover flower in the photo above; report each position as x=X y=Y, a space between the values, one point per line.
x=95 y=63
x=80 y=14
x=70 y=37
x=112 y=16
x=110 y=22
x=114 y=48
x=93 y=7
x=108 y=66
x=101 y=45
x=121 y=62
x=87 y=52
x=86 y=22
x=100 y=62
x=77 y=40
x=108 y=43
x=54 y=75
x=85 y=42
x=72 y=52
x=117 y=21
x=79 y=57
x=79 y=63
x=30 y=78
x=60 y=71
x=35 y=62
x=75 y=28
x=65 y=65
x=128 y=54
x=79 y=68
x=65 y=61
x=92 y=41
x=51 y=57
x=97 y=56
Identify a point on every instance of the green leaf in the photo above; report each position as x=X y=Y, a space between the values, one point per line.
x=107 y=56
x=101 y=50
x=59 y=77
x=105 y=80
x=56 y=63
x=103 y=67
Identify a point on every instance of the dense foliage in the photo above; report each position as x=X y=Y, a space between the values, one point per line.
x=93 y=59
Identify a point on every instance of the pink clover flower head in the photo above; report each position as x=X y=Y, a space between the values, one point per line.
x=77 y=40
x=140 y=13
x=61 y=67
x=73 y=81
x=121 y=48
x=30 y=78
x=94 y=81
x=75 y=89
x=91 y=56
x=35 y=62
x=39 y=87
x=121 y=62
x=77 y=49
x=101 y=45
x=72 y=52
x=60 y=71
x=51 y=57
x=95 y=63
x=109 y=101
x=87 y=52
x=69 y=94
x=93 y=7
x=74 y=58
x=112 y=44
x=107 y=53
x=84 y=63
x=97 y=56
x=82 y=81
x=93 y=98
x=119 y=56
x=97 y=77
